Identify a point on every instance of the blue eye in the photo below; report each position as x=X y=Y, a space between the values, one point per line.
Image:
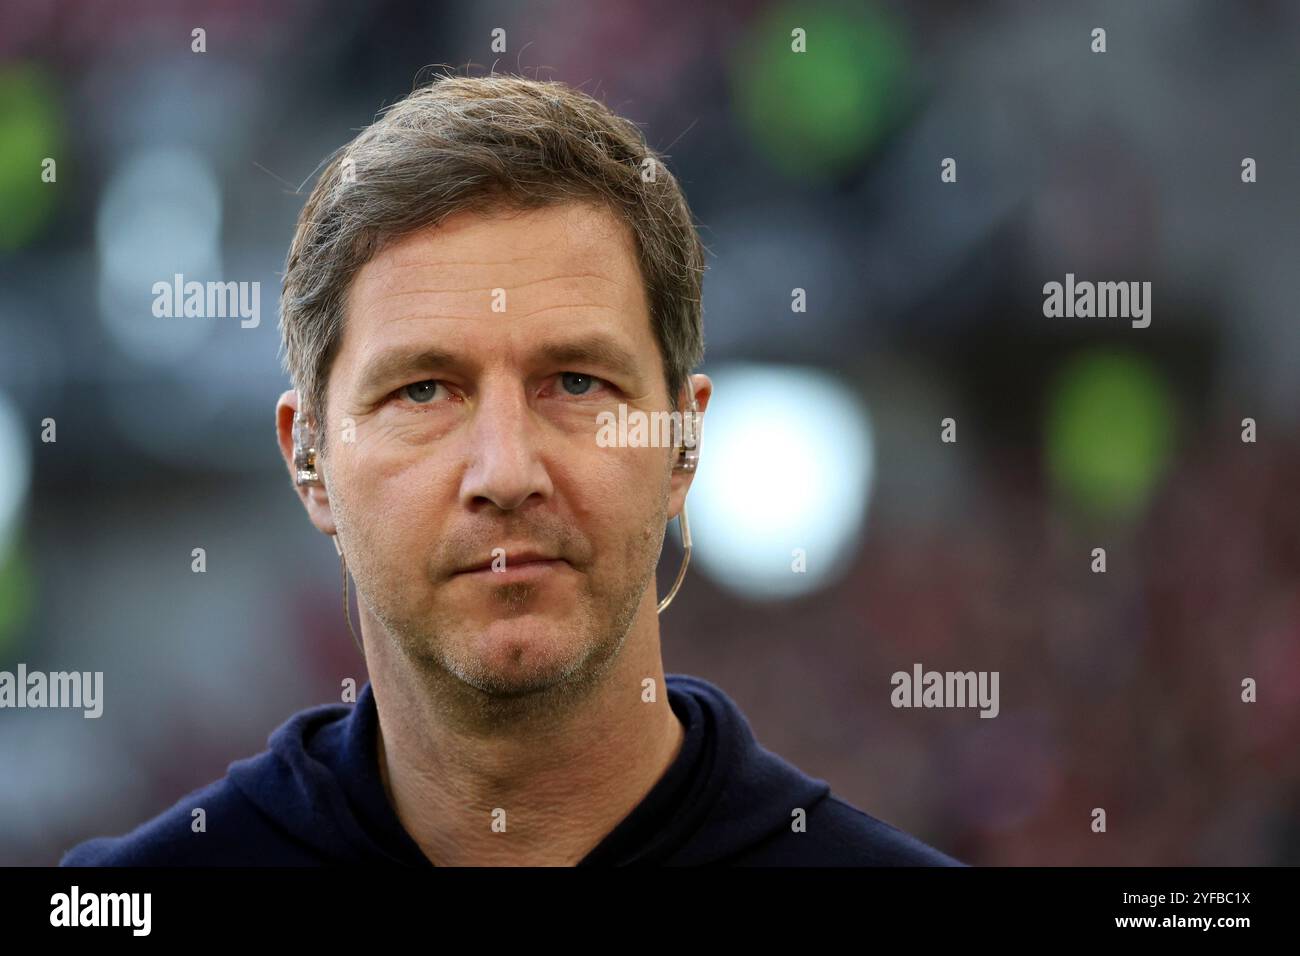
x=421 y=392
x=583 y=382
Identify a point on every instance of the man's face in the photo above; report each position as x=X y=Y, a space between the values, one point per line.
x=462 y=407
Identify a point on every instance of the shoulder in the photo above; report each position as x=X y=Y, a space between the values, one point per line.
x=215 y=825
x=867 y=841
x=836 y=833
x=264 y=811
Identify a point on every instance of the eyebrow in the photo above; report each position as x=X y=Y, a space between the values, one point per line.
x=594 y=350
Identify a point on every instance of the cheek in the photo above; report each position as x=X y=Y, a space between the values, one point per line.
x=393 y=513
x=625 y=498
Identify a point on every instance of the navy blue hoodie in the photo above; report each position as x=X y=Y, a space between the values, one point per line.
x=315 y=797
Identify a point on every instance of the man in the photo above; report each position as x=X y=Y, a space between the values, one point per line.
x=474 y=280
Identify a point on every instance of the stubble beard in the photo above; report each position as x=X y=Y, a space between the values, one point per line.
x=471 y=692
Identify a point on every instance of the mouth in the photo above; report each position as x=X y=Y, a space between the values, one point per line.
x=517 y=566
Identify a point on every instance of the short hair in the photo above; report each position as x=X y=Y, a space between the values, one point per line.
x=482 y=143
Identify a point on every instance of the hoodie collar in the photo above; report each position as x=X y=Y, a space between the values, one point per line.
x=320 y=781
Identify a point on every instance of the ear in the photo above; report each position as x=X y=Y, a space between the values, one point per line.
x=314 y=497
x=702 y=388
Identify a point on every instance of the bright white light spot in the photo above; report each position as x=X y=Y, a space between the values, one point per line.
x=786 y=462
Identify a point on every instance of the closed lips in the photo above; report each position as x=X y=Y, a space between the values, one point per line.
x=511 y=561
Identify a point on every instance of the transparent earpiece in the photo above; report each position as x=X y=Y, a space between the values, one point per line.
x=687 y=461
x=304 y=452
x=689 y=456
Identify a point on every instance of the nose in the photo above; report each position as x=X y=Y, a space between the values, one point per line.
x=506 y=466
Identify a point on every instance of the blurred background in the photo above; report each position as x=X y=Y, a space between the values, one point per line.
x=818 y=171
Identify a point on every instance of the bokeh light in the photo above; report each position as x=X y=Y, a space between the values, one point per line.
x=1110 y=426
x=786 y=464
x=160 y=216
x=30 y=119
x=15 y=482
x=819 y=112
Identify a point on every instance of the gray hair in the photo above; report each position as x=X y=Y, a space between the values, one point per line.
x=480 y=143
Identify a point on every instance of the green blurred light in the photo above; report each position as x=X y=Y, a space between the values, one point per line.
x=29 y=133
x=1110 y=431
x=16 y=590
x=819 y=112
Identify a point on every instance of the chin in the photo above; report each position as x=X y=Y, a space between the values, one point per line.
x=521 y=654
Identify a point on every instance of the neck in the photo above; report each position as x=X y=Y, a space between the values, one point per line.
x=539 y=786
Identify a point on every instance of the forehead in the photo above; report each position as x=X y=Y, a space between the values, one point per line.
x=561 y=269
